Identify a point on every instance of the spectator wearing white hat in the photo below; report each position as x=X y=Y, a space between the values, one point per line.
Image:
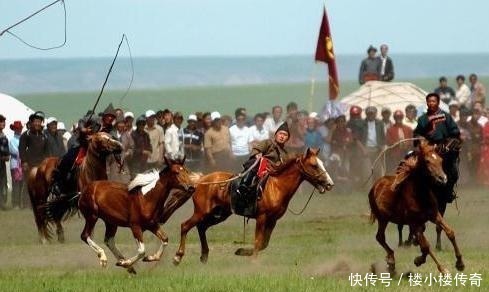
x=55 y=144
x=66 y=135
x=217 y=145
x=192 y=140
x=129 y=120
x=156 y=138
x=453 y=108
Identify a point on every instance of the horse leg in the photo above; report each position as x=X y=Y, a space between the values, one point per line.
x=164 y=242
x=110 y=231
x=380 y=236
x=263 y=232
x=137 y=232
x=202 y=227
x=399 y=231
x=184 y=229
x=425 y=250
x=60 y=232
x=440 y=221
x=269 y=226
x=441 y=208
x=85 y=236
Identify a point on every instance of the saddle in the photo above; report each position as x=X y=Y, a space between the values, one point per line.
x=247 y=205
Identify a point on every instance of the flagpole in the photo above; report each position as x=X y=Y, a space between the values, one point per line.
x=313 y=85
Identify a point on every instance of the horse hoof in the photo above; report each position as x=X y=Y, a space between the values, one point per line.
x=418 y=261
x=203 y=259
x=103 y=263
x=438 y=247
x=149 y=258
x=131 y=270
x=243 y=252
x=460 y=265
x=177 y=260
x=123 y=263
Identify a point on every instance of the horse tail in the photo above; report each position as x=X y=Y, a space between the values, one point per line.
x=61 y=208
x=35 y=189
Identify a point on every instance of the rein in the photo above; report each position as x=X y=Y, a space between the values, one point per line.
x=305 y=206
x=239 y=175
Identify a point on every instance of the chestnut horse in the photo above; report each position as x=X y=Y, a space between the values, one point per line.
x=117 y=205
x=408 y=199
x=92 y=168
x=212 y=201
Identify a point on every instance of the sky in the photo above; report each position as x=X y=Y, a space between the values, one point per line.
x=244 y=27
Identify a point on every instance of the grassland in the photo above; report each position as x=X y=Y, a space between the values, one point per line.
x=313 y=252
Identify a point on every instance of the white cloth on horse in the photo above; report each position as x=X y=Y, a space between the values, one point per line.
x=147 y=181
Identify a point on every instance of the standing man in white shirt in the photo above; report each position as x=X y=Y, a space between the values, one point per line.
x=172 y=142
x=386 y=64
x=463 y=92
x=271 y=124
x=258 y=132
x=240 y=137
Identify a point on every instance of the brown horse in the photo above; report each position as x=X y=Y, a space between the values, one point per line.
x=212 y=201
x=408 y=199
x=92 y=168
x=117 y=205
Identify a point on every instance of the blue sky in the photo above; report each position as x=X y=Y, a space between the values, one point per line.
x=246 y=27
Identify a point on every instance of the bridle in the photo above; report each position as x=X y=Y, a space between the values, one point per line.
x=315 y=178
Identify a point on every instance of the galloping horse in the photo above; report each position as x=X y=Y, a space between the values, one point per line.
x=92 y=168
x=212 y=203
x=117 y=206
x=408 y=199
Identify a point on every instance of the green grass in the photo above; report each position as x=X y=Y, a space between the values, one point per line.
x=69 y=107
x=313 y=252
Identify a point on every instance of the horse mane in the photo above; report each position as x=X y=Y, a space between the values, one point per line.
x=404 y=170
x=275 y=170
x=147 y=181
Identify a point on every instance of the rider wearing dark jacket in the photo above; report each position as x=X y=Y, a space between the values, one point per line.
x=272 y=149
x=439 y=128
x=63 y=178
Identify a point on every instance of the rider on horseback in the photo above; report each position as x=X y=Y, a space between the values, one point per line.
x=62 y=175
x=439 y=128
x=272 y=149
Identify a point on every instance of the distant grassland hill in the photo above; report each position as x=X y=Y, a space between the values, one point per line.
x=69 y=106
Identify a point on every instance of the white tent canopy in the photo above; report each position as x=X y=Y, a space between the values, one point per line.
x=13 y=110
x=392 y=95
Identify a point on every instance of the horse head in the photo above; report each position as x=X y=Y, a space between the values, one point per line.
x=179 y=175
x=431 y=162
x=313 y=170
x=103 y=144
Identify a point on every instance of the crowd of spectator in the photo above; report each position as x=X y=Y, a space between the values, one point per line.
x=349 y=143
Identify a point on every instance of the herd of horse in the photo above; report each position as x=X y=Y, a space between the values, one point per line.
x=404 y=199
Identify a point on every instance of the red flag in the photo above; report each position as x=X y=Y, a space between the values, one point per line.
x=325 y=53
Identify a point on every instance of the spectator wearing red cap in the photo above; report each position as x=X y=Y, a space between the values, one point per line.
x=15 y=166
x=356 y=149
x=397 y=132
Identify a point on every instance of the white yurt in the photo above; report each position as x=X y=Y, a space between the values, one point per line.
x=13 y=110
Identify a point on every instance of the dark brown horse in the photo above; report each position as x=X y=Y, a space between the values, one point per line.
x=133 y=207
x=212 y=201
x=92 y=168
x=408 y=199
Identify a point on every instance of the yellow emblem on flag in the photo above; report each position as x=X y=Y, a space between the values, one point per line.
x=329 y=48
